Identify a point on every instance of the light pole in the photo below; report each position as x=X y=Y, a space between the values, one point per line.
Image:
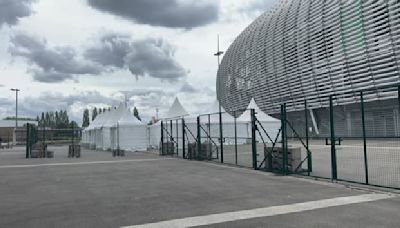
x=218 y=54
x=16 y=106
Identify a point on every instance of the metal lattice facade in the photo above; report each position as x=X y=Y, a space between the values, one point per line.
x=310 y=49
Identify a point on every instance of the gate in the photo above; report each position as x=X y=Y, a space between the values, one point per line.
x=280 y=153
x=44 y=142
x=180 y=137
x=169 y=143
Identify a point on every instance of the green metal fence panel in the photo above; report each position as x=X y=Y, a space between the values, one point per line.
x=355 y=141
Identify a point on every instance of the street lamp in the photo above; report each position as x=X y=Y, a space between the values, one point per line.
x=16 y=106
x=218 y=54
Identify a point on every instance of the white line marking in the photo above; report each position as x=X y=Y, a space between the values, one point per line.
x=263 y=212
x=81 y=163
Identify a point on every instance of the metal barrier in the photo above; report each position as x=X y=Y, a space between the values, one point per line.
x=344 y=140
x=41 y=142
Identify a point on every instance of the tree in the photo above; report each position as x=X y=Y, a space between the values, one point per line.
x=94 y=114
x=73 y=124
x=42 y=120
x=104 y=110
x=47 y=120
x=86 y=119
x=136 y=113
x=58 y=118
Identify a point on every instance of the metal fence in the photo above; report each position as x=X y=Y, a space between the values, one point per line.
x=42 y=142
x=345 y=139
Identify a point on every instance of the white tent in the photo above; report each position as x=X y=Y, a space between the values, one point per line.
x=269 y=124
x=108 y=127
x=85 y=135
x=261 y=116
x=117 y=128
x=104 y=138
x=176 y=110
x=154 y=135
x=228 y=126
x=92 y=132
x=191 y=129
x=131 y=133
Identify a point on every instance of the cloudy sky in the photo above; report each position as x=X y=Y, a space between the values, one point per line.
x=77 y=54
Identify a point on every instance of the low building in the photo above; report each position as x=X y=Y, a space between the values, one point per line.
x=8 y=133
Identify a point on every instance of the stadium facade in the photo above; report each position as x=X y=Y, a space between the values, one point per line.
x=308 y=50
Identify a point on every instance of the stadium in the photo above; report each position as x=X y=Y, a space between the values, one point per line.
x=310 y=50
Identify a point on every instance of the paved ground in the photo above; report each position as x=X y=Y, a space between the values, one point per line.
x=383 y=159
x=141 y=188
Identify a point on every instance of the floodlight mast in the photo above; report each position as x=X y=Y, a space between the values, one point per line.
x=218 y=54
x=16 y=106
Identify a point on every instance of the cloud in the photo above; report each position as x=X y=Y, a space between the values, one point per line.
x=154 y=58
x=12 y=10
x=256 y=7
x=188 y=88
x=148 y=100
x=147 y=57
x=74 y=103
x=166 y=13
x=6 y=102
x=50 y=64
x=111 y=50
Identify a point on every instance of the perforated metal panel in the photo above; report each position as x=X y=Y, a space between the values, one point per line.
x=305 y=49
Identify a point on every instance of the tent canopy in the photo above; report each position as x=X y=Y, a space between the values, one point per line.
x=261 y=116
x=114 y=116
x=214 y=118
x=104 y=120
x=127 y=119
x=176 y=110
x=96 y=122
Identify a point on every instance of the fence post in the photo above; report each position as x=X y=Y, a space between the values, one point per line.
x=118 y=146
x=333 y=140
x=221 y=135
x=27 y=140
x=364 y=137
x=198 y=138
x=309 y=155
x=253 y=138
x=236 y=148
x=44 y=136
x=162 y=138
x=183 y=138
x=284 y=139
x=73 y=135
x=209 y=126
x=177 y=137
x=172 y=131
